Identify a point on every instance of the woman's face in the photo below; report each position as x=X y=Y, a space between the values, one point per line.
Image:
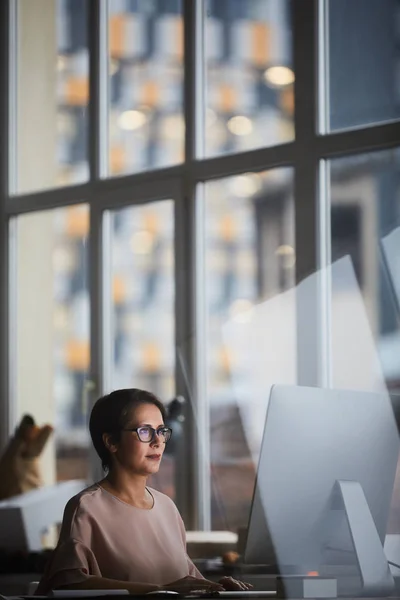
x=134 y=455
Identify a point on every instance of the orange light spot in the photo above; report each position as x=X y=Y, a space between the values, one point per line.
x=77 y=91
x=312 y=573
x=78 y=221
x=228 y=98
x=77 y=355
x=261 y=42
x=116 y=29
x=117 y=159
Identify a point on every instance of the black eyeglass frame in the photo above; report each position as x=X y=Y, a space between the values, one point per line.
x=154 y=432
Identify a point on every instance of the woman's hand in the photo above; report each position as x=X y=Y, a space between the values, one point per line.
x=189 y=584
x=233 y=585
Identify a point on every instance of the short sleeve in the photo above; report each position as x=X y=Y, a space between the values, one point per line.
x=71 y=562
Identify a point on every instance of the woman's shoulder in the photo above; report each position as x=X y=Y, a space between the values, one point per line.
x=83 y=499
x=78 y=513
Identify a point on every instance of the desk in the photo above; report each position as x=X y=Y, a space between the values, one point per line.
x=127 y=597
x=207 y=544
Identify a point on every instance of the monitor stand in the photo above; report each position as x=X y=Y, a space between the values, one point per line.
x=376 y=577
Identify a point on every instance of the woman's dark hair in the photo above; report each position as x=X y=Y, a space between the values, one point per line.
x=111 y=414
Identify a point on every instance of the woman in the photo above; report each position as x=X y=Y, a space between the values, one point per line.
x=119 y=533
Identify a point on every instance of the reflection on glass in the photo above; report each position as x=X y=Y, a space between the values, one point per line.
x=365 y=221
x=143 y=297
x=52 y=94
x=250 y=259
x=364 y=53
x=52 y=317
x=146 y=127
x=249 y=72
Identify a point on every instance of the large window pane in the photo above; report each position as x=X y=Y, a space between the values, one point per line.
x=146 y=128
x=250 y=340
x=365 y=217
x=143 y=297
x=249 y=76
x=52 y=334
x=52 y=96
x=364 y=57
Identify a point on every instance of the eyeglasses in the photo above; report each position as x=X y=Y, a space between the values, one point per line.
x=146 y=433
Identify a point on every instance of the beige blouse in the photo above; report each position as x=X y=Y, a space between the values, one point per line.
x=105 y=537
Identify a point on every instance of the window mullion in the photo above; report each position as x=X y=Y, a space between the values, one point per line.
x=98 y=88
x=306 y=189
x=195 y=510
x=6 y=41
x=99 y=292
x=99 y=380
x=359 y=140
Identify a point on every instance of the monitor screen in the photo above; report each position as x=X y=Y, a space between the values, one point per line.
x=314 y=438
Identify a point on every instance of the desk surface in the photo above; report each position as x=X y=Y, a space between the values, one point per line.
x=203 y=597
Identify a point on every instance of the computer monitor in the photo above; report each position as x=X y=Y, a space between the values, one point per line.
x=324 y=484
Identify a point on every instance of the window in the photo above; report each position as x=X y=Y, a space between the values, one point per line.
x=364 y=60
x=146 y=125
x=365 y=227
x=142 y=265
x=52 y=337
x=190 y=131
x=142 y=307
x=249 y=260
x=365 y=213
x=52 y=94
x=249 y=75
